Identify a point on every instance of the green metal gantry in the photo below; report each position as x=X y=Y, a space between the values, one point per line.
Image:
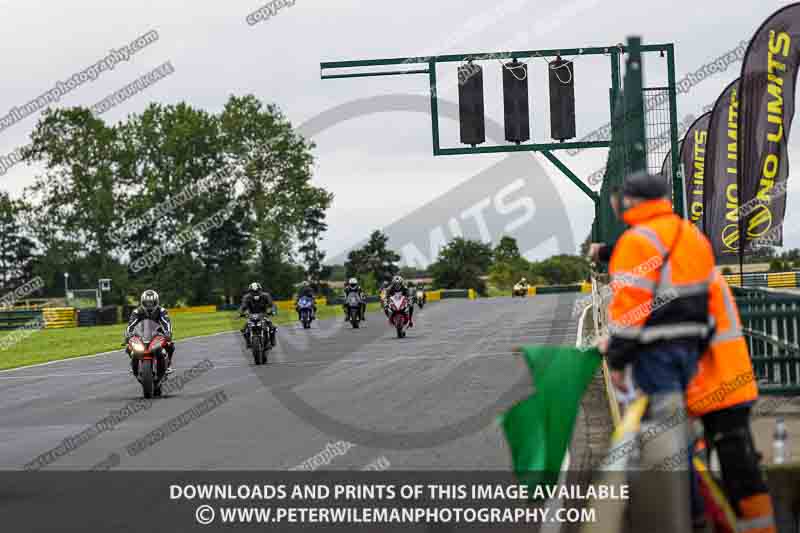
x=634 y=107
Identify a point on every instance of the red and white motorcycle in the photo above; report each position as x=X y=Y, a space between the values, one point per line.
x=399 y=313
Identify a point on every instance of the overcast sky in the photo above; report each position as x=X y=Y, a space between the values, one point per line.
x=380 y=167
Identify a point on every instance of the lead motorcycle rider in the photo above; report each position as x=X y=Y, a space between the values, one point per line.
x=150 y=309
x=353 y=286
x=256 y=301
x=399 y=285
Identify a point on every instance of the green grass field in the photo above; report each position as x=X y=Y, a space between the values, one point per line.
x=494 y=292
x=56 y=344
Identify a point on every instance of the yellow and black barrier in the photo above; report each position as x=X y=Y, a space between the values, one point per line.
x=193 y=309
x=559 y=289
x=60 y=317
x=778 y=280
x=433 y=296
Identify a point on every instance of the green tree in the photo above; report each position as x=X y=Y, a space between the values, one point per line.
x=310 y=235
x=369 y=284
x=172 y=161
x=16 y=248
x=272 y=164
x=562 y=269
x=461 y=265
x=374 y=257
x=110 y=194
x=587 y=242
x=777 y=265
x=505 y=274
x=277 y=273
x=338 y=273
x=506 y=250
x=226 y=254
x=76 y=200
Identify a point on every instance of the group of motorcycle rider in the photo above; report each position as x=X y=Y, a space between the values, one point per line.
x=258 y=301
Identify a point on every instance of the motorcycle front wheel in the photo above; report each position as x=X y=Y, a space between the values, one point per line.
x=147 y=375
x=258 y=350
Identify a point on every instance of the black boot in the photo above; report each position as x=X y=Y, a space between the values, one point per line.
x=170 y=353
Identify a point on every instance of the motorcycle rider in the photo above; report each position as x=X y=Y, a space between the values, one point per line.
x=256 y=301
x=398 y=285
x=353 y=286
x=308 y=292
x=150 y=309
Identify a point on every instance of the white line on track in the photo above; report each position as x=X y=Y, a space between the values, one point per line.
x=243 y=364
x=79 y=357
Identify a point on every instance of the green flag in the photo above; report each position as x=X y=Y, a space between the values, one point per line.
x=539 y=428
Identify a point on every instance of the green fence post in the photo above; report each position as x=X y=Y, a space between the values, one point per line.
x=677 y=176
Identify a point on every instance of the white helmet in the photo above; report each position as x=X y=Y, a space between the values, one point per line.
x=149 y=299
x=255 y=287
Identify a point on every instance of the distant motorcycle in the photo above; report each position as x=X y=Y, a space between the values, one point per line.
x=262 y=337
x=399 y=313
x=306 y=307
x=353 y=308
x=420 y=298
x=147 y=349
x=520 y=289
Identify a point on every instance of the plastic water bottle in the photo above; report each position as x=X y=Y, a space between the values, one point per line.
x=780 y=443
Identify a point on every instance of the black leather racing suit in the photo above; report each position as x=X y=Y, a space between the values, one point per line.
x=256 y=303
x=158 y=314
x=358 y=290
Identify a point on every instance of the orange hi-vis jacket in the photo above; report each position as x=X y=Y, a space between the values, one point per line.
x=725 y=372
x=661 y=269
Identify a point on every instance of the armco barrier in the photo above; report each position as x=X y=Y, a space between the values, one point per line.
x=558 y=289
x=87 y=318
x=108 y=315
x=60 y=317
x=765 y=279
x=455 y=293
x=10 y=320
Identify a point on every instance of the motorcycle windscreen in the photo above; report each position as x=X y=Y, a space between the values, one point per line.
x=147 y=329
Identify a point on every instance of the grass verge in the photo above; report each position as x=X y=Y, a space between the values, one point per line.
x=56 y=344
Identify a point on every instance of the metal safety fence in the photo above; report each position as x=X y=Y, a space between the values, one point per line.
x=771 y=324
